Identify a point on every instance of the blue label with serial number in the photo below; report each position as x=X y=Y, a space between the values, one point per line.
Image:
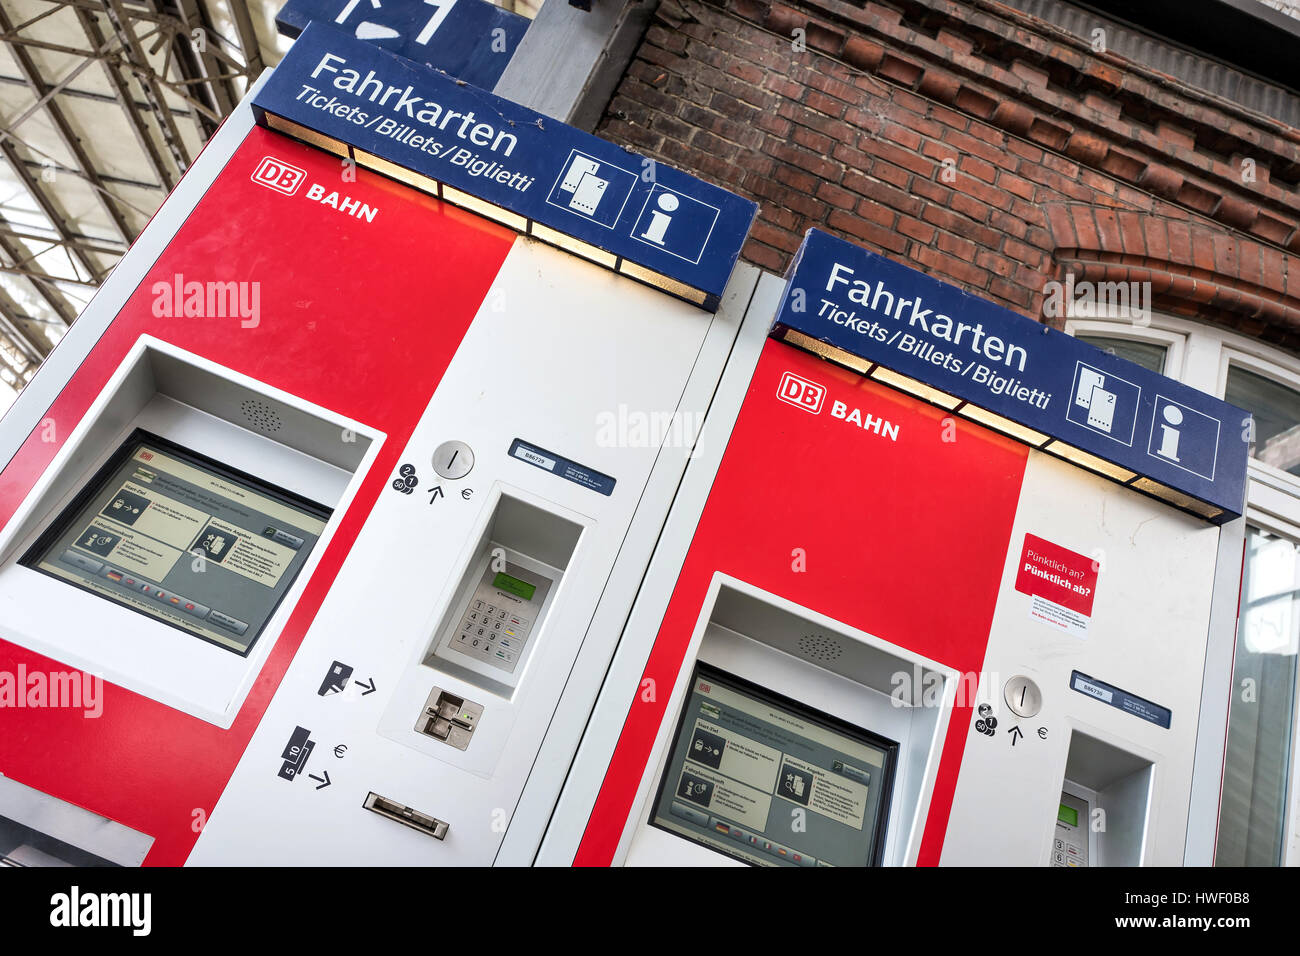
x=1122 y=699
x=559 y=465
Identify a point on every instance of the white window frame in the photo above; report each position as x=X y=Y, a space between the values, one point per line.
x=1200 y=355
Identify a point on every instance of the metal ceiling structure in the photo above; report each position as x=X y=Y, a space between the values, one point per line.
x=103 y=106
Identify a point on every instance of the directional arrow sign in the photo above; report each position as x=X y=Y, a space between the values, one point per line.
x=1016 y=733
x=369 y=685
x=437 y=493
x=323 y=782
x=472 y=40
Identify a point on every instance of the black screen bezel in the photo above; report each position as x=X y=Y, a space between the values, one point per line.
x=33 y=556
x=718 y=676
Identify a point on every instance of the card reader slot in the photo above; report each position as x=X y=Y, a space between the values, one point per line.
x=407 y=816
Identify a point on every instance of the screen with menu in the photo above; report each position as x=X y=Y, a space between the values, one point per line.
x=184 y=539
x=773 y=782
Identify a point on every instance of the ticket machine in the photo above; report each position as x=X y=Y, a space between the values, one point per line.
x=942 y=585
x=314 y=528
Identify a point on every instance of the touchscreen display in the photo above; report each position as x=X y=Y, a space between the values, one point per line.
x=773 y=782
x=184 y=539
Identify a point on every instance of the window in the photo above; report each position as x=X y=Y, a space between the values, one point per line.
x=1259 y=801
x=1277 y=417
x=1147 y=354
x=1252 y=812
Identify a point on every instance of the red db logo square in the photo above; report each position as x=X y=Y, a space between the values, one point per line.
x=278 y=175
x=801 y=393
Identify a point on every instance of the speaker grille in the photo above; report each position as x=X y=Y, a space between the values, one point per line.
x=260 y=415
x=819 y=647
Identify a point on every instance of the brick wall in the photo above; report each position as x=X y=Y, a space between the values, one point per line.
x=980 y=145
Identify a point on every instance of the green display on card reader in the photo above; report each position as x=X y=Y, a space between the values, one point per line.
x=514 y=586
x=1068 y=815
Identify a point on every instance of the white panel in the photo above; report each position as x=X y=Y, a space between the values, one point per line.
x=557 y=345
x=1147 y=635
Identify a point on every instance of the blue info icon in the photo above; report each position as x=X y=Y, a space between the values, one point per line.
x=1184 y=437
x=1104 y=403
x=675 y=223
x=592 y=188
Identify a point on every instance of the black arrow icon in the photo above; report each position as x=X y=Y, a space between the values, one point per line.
x=436 y=494
x=1016 y=733
x=370 y=685
x=323 y=783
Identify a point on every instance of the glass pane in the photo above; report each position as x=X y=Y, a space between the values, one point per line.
x=1253 y=807
x=1146 y=354
x=1277 y=417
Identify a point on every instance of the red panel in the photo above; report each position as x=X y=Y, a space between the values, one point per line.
x=904 y=539
x=359 y=317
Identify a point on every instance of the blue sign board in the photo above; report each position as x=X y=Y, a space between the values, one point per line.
x=1045 y=380
x=472 y=40
x=1121 y=699
x=648 y=220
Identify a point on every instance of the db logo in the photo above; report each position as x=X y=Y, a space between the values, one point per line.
x=801 y=393
x=283 y=178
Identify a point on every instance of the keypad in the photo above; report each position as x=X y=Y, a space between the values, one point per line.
x=495 y=626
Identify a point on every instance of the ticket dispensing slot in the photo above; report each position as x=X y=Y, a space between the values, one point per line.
x=1102 y=819
x=788 y=712
x=496 y=619
x=190 y=498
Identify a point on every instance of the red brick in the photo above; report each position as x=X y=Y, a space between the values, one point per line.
x=837 y=196
x=824 y=38
x=899 y=70
x=1005 y=222
x=1161 y=180
x=1017 y=186
x=1199 y=199
x=826 y=104
x=881 y=192
x=814 y=141
x=771 y=235
x=957 y=247
x=1051 y=135
x=972 y=208
x=954 y=269
x=994 y=263
x=1030 y=74
x=1087 y=148
x=972 y=101
x=939 y=85
x=797 y=179
x=916 y=229
x=875 y=212
x=764 y=257
x=954 y=41
x=783 y=20
x=863 y=54
x=747 y=72
x=1175 y=135
x=1240 y=213
x=868 y=232
x=1013 y=116
x=1102 y=104
x=978 y=168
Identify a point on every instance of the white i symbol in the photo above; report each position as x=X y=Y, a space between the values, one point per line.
x=659 y=220
x=1172 y=415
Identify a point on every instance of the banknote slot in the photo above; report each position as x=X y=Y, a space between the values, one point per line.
x=407 y=816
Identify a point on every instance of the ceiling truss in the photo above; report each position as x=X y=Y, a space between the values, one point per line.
x=158 y=76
